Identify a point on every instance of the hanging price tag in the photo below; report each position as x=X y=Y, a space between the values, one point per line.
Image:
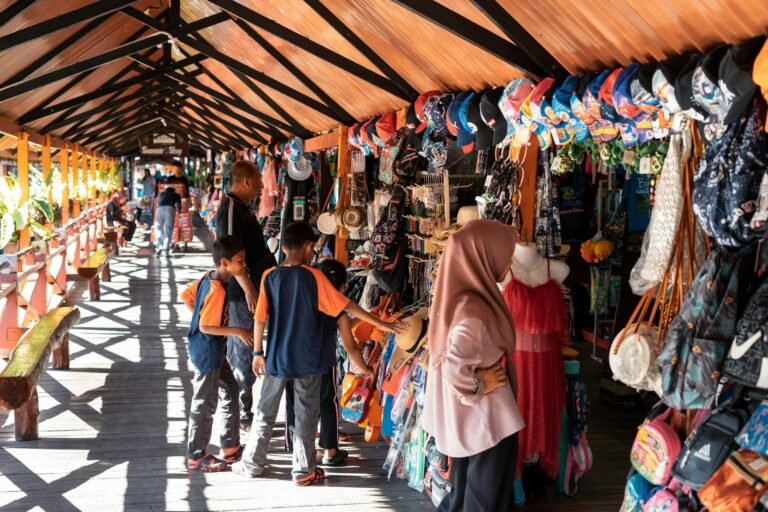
x=488 y=180
x=645 y=165
x=556 y=163
x=629 y=157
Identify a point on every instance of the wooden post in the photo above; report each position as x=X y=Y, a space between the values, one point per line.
x=47 y=170
x=65 y=182
x=23 y=163
x=76 y=181
x=342 y=169
x=528 y=190
x=111 y=174
x=92 y=192
x=26 y=418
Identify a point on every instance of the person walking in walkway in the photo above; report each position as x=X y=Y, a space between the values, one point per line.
x=177 y=176
x=207 y=341
x=470 y=333
x=148 y=190
x=236 y=218
x=168 y=204
x=296 y=300
x=116 y=216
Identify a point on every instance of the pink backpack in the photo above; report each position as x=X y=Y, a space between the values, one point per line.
x=655 y=449
x=672 y=498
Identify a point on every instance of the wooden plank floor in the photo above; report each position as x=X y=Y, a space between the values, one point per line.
x=113 y=427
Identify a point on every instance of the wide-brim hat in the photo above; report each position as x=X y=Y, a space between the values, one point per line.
x=353 y=219
x=408 y=342
x=326 y=224
x=467 y=214
x=300 y=170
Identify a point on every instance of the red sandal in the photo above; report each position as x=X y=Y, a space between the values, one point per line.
x=315 y=477
x=207 y=464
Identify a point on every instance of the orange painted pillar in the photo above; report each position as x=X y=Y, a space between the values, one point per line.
x=76 y=181
x=22 y=160
x=64 y=163
x=47 y=170
x=528 y=190
x=342 y=169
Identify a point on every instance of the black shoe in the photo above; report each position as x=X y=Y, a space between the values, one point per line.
x=336 y=460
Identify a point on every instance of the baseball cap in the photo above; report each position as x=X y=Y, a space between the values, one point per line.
x=570 y=126
x=664 y=82
x=492 y=116
x=386 y=126
x=641 y=89
x=452 y=116
x=412 y=122
x=511 y=100
x=369 y=135
x=466 y=137
x=483 y=134
x=737 y=78
x=435 y=110
x=537 y=96
x=295 y=149
x=420 y=102
x=684 y=90
x=704 y=84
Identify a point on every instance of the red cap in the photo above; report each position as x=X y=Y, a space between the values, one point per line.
x=421 y=101
x=386 y=126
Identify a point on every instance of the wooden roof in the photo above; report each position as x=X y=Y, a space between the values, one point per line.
x=241 y=73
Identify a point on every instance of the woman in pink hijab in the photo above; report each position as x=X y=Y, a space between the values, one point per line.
x=470 y=405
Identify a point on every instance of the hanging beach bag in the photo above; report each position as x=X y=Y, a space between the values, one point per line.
x=747 y=360
x=700 y=335
x=737 y=485
x=637 y=492
x=727 y=182
x=656 y=447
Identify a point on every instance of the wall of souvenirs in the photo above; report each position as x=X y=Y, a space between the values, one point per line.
x=641 y=197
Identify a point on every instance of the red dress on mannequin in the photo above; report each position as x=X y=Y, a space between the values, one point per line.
x=541 y=329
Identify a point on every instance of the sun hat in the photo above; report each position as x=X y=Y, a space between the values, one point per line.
x=408 y=342
x=353 y=219
x=467 y=214
x=326 y=223
x=300 y=170
x=492 y=116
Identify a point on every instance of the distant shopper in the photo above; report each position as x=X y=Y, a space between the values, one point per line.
x=177 y=176
x=116 y=216
x=168 y=204
x=149 y=186
x=235 y=217
x=207 y=345
x=470 y=405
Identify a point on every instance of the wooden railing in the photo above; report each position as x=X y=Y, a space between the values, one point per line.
x=35 y=280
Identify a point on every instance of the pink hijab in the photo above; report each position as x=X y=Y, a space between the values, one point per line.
x=475 y=257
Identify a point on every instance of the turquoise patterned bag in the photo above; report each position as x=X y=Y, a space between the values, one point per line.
x=754 y=435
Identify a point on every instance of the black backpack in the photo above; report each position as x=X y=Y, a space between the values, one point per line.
x=747 y=360
x=707 y=448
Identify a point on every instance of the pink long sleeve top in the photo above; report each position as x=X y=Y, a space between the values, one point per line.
x=463 y=420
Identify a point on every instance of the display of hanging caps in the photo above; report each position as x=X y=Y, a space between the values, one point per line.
x=626 y=111
x=386 y=126
x=408 y=342
x=578 y=108
x=511 y=101
x=368 y=132
x=735 y=76
x=466 y=136
x=295 y=149
x=599 y=128
x=537 y=97
x=326 y=223
x=546 y=106
x=641 y=89
x=492 y=116
x=420 y=103
x=571 y=127
x=353 y=219
x=358 y=135
x=526 y=116
x=704 y=84
x=435 y=110
x=373 y=133
x=299 y=168
x=483 y=134
x=452 y=116
x=684 y=90
x=664 y=82
x=412 y=121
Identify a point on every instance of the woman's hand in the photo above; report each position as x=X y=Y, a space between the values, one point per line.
x=492 y=378
x=395 y=327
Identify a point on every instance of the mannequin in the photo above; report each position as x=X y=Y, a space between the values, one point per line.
x=529 y=267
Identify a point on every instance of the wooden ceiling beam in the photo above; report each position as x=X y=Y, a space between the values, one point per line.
x=13 y=10
x=62 y=21
x=204 y=113
x=473 y=33
x=306 y=44
x=353 y=39
x=517 y=34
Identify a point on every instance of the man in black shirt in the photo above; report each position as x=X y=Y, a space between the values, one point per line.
x=177 y=176
x=168 y=203
x=116 y=216
x=236 y=218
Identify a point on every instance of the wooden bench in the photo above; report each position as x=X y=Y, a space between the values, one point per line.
x=18 y=380
x=114 y=238
x=96 y=266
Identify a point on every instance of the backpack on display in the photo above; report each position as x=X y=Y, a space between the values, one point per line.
x=385 y=244
x=737 y=485
x=671 y=498
x=656 y=447
x=747 y=360
x=699 y=337
x=709 y=445
x=637 y=492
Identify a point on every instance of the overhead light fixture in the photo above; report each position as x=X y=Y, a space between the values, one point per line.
x=162 y=120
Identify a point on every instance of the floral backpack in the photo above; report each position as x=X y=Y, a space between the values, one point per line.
x=656 y=447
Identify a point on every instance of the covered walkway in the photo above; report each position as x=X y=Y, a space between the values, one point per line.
x=113 y=427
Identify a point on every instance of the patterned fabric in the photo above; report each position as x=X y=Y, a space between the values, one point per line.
x=727 y=182
x=754 y=437
x=749 y=352
x=388 y=158
x=698 y=338
x=547 y=229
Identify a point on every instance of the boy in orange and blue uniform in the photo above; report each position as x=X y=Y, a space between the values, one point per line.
x=207 y=345
x=296 y=302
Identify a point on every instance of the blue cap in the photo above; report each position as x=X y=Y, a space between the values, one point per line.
x=467 y=132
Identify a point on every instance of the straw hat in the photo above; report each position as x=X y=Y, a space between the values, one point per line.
x=326 y=223
x=408 y=342
x=300 y=169
x=353 y=219
x=467 y=214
